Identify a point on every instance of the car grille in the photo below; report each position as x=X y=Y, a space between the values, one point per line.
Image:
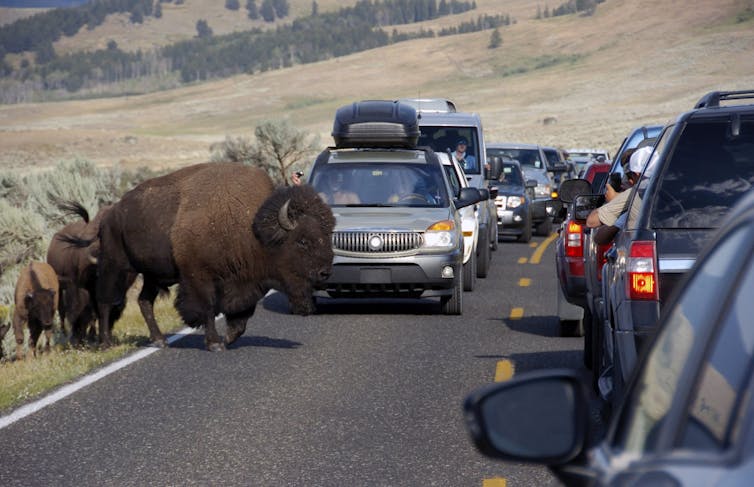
x=376 y=242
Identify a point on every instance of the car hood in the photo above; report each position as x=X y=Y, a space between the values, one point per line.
x=389 y=219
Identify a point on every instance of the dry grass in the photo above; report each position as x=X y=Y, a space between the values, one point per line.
x=24 y=380
x=599 y=76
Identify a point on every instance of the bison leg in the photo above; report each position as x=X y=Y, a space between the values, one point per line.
x=197 y=310
x=104 y=325
x=48 y=339
x=147 y=296
x=34 y=332
x=236 y=324
x=18 y=330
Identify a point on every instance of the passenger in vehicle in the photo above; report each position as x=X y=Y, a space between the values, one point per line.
x=467 y=161
x=609 y=214
x=334 y=191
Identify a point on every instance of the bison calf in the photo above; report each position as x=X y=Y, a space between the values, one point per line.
x=36 y=302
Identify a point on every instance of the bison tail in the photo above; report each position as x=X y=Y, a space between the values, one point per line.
x=75 y=241
x=70 y=207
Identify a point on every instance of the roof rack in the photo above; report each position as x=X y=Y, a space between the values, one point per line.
x=713 y=98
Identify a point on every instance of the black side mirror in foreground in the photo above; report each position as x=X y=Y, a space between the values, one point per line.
x=468 y=196
x=539 y=417
x=584 y=204
x=573 y=187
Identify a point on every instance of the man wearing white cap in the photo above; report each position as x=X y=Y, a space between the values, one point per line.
x=617 y=203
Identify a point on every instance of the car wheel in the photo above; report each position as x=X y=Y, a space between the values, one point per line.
x=588 y=334
x=495 y=235
x=544 y=228
x=469 y=273
x=483 y=261
x=453 y=303
x=526 y=233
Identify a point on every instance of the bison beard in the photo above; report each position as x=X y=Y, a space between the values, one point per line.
x=224 y=235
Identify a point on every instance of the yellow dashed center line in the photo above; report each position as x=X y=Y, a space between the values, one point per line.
x=523 y=260
x=533 y=244
x=504 y=370
x=537 y=255
x=496 y=482
x=524 y=282
x=517 y=313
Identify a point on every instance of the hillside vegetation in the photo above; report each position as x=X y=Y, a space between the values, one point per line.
x=632 y=62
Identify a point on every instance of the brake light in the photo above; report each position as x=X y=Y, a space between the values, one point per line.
x=642 y=271
x=573 y=240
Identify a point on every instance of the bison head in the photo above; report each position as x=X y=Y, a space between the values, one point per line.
x=295 y=226
x=41 y=306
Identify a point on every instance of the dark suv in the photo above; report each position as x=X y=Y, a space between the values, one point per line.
x=702 y=163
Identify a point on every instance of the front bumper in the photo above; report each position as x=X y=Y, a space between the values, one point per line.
x=512 y=222
x=415 y=276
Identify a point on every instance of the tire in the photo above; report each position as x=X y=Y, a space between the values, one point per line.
x=453 y=304
x=544 y=228
x=494 y=241
x=470 y=273
x=588 y=345
x=526 y=234
x=483 y=261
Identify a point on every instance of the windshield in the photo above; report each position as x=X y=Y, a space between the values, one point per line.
x=381 y=184
x=525 y=157
x=461 y=142
x=511 y=175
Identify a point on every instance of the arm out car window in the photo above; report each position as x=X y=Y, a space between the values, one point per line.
x=671 y=363
x=721 y=391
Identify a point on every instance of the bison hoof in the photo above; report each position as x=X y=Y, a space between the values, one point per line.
x=232 y=335
x=215 y=347
x=159 y=343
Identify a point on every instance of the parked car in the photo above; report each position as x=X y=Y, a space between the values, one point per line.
x=534 y=165
x=702 y=164
x=687 y=418
x=469 y=221
x=441 y=131
x=398 y=230
x=514 y=198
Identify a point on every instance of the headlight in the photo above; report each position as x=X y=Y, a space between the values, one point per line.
x=515 y=201
x=442 y=235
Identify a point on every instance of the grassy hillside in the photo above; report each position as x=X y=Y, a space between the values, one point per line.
x=632 y=62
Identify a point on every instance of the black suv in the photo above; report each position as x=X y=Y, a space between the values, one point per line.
x=702 y=164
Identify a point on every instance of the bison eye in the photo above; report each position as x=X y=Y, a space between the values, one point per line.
x=302 y=243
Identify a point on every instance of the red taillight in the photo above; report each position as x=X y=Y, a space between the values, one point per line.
x=574 y=240
x=642 y=271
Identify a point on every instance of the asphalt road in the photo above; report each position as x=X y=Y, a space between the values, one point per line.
x=364 y=393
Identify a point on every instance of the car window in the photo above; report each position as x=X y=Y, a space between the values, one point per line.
x=673 y=359
x=713 y=419
x=381 y=184
x=525 y=157
x=641 y=186
x=511 y=175
x=709 y=169
x=455 y=184
x=444 y=139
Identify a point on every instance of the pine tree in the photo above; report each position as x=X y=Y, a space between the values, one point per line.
x=495 y=39
x=251 y=6
x=203 y=30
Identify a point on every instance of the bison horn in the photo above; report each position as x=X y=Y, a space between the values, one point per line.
x=284 y=219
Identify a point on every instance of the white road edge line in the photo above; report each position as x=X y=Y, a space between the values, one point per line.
x=69 y=389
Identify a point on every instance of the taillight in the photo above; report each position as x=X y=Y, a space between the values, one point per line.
x=642 y=271
x=573 y=240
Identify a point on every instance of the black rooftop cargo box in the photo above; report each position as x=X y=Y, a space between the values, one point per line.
x=376 y=123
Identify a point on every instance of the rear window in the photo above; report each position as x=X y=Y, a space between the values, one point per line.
x=709 y=170
x=525 y=157
x=511 y=175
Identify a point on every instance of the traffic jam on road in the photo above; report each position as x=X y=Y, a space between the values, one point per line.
x=627 y=362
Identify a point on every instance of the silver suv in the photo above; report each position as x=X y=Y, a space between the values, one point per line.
x=398 y=230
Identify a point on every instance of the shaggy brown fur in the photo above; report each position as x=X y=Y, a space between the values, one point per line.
x=194 y=227
x=36 y=301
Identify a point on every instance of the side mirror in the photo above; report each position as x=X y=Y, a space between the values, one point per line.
x=496 y=168
x=494 y=191
x=539 y=417
x=484 y=194
x=585 y=203
x=572 y=188
x=556 y=209
x=467 y=197
x=531 y=183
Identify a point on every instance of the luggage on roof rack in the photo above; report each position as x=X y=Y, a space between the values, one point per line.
x=376 y=123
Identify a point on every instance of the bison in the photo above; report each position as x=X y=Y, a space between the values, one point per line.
x=225 y=235
x=76 y=269
x=36 y=302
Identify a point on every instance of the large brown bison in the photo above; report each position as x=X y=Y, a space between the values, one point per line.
x=76 y=269
x=225 y=235
x=36 y=301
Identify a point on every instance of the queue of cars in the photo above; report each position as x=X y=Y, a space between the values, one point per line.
x=669 y=337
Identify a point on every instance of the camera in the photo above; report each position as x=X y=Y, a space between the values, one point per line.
x=300 y=174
